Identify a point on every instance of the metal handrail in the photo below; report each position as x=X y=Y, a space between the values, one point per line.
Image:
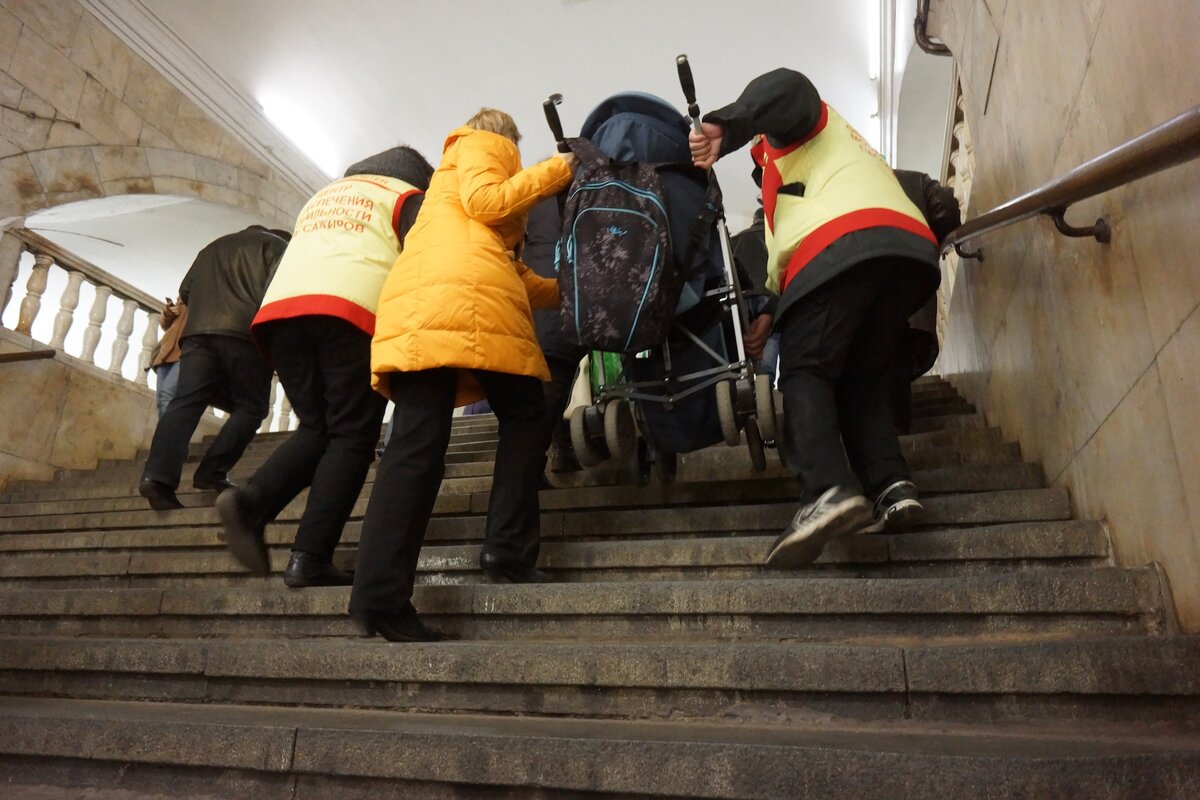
x=920 y=30
x=1166 y=145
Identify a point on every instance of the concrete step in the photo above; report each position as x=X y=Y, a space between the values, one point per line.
x=1036 y=603
x=935 y=481
x=924 y=451
x=1135 y=679
x=966 y=509
x=197 y=558
x=86 y=747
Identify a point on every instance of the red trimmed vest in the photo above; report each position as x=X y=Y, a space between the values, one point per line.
x=822 y=187
x=341 y=252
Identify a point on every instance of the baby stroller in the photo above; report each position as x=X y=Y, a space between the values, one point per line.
x=693 y=386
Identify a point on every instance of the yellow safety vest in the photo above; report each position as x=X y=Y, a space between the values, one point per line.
x=341 y=252
x=824 y=186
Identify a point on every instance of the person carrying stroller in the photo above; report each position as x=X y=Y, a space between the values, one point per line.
x=454 y=325
x=851 y=258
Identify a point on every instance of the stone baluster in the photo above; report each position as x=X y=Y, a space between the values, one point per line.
x=10 y=262
x=65 y=317
x=285 y=412
x=270 y=420
x=91 y=336
x=149 y=342
x=32 y=303
x=120 y=347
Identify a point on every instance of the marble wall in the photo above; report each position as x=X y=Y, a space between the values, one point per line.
x=83 y=117
x=70 y=415
x=1088 y=354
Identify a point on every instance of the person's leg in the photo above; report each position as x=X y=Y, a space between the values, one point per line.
x=353 y=414
x=556 y=435
x=289 y=469
x=246 y=381
x=166 y=384
x=513 y=523
x=406 y=487
x=199 y=378
x=878 y=367
x=816 y=335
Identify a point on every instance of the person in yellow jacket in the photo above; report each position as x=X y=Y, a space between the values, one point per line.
x=851 y=258
x=455 y=325
x=315 y=324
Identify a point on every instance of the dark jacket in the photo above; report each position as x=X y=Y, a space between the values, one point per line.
x=940 y=207
x=225 y=285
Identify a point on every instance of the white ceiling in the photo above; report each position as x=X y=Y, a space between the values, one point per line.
x=369 y=75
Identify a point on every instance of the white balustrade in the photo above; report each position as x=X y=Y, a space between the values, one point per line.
x=120 y=347
x=91 y=336
x=285 y=412
x=66 y=310
x=149 y=342
x=32 y=303
x=136 y=307
x=270 y=420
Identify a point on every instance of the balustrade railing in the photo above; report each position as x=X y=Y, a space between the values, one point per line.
x=136 y=308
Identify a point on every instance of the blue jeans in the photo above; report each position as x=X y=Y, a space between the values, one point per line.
x=769 y=363
x=165 y=386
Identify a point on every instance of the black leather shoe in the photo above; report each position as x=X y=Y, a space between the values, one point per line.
x=400 y=627
x=160 y=496
x=305 y=569
x=212 y=484
x=499 y=571
x=244 y=536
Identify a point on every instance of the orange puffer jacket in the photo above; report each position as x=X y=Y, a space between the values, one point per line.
x=455 y=297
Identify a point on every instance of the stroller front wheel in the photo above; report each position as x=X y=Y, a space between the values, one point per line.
x=764 y=407
x=620 y=434
x=727 y=413
x=587 y=453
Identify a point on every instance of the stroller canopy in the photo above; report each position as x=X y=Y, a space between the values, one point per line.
x=634 y=126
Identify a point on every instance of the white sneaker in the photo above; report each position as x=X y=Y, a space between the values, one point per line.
x=896 y=509
x=837 y=512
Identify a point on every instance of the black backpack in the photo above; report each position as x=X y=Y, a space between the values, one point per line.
x=616 y=271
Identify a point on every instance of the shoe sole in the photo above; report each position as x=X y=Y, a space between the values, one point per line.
x=845 y=518
x=244 y=544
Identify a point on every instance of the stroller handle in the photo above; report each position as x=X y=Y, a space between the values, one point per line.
x=550 y=107
x=689 y=89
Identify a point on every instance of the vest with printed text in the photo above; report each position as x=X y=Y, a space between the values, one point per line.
x=342 y=249
x=822 y=187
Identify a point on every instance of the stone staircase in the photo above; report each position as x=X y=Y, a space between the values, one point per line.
x=997 y=652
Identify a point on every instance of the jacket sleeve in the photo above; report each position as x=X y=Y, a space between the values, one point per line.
x=185 y=286
x=941 y=208
x=488 y=194
x=543 y=292
x=783 y=104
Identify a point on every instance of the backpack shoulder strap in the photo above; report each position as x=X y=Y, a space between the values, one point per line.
x=589 y=154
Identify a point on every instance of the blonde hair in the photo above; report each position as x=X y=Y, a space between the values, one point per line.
x=495 y=121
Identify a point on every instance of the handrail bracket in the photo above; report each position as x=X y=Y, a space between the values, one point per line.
x=976 y=254
x=1101 y=230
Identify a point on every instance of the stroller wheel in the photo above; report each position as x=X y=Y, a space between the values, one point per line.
x=754 y=443
x=727 y=413
x=588 y=455
x=764 y=406
x=620 y=434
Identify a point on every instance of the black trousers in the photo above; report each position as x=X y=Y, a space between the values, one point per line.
x=324 y=365
x=836 y=354
x=410 y=473
x=221 y=371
